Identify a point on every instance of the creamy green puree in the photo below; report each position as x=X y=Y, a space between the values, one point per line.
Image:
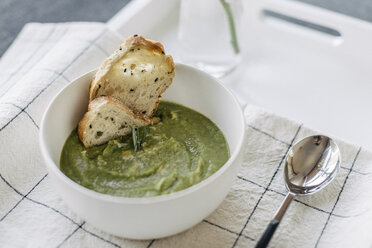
x=181 y=150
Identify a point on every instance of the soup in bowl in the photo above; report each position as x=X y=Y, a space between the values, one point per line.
x=152 y=216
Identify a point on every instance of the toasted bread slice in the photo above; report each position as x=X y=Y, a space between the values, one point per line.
x=108 y=118
x=136 y=74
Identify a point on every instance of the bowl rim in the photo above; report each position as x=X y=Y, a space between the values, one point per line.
x=140 y=200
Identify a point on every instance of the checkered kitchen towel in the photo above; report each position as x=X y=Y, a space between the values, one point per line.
x=46 y=57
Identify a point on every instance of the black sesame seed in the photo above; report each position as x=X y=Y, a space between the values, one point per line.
x=112 y=119
x=90 y=126
x=131 y=73
x=99 y=86
x=120 y=48
x=131 y=90
x=138 y=48
x=135 y=35
x=144 y=112
x=131 y=50
x=162 y=52
x=156 y=79
x=125 y=69
x=143 y=70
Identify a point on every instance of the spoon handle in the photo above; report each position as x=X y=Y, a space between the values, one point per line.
x=270 y=230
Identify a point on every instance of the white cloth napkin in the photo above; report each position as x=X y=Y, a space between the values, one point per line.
x=46 y=57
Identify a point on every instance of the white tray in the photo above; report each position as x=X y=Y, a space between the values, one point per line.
x=321 y=80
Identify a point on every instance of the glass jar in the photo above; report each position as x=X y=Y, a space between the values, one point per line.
x=208 y=34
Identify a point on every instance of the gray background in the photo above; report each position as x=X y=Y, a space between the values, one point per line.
x=14 y=14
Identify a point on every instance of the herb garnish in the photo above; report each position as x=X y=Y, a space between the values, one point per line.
x=137 y=140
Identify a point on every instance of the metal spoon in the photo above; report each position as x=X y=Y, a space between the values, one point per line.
x=310 y=165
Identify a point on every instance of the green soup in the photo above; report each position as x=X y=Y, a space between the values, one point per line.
x=182 y=149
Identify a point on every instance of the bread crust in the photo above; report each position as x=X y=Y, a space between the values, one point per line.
x=99 y=101
x=132 y=42
x=104 y=94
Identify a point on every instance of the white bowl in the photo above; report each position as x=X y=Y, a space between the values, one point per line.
x=154 y=217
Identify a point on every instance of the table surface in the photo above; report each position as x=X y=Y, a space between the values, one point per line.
x=14 y=14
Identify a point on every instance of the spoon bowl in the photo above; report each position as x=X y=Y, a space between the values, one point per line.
x=310 y=165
